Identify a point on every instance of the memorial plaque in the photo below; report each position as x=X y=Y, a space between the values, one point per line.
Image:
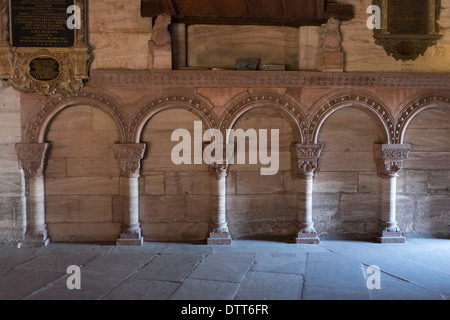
x=45 y=69
x=408 y=27
x=41 y=23
x=408 y=17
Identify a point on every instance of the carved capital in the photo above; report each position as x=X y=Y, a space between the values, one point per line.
x=130 y=156
x=218 y=170
x=32 y=157
x=390 y=158
x=306 y=158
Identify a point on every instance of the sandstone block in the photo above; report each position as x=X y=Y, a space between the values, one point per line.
x=78 y=209
x=82 y=186
x=154 y=183
x=162 y=208
x=329 y=182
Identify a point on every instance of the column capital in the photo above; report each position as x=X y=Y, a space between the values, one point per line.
x=129 y=156
x=306 y=157
x=219 y=170
x=32 y=158
x=390 y=158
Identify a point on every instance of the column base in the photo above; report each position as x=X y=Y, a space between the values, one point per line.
x=307 y=238
x=391 y=237
x=35 y=241
x=219 y=239
x=130 y=240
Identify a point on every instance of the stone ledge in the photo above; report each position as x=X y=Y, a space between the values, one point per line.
x=265 y=79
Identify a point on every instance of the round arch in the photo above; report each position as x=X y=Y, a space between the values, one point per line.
x=371 y=105
x=151 y=106
x=289 y=110
x=39 y=123
x=413 y=108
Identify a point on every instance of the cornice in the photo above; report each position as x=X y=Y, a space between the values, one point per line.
x=264 y=79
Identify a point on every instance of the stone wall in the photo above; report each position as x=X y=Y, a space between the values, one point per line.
x=84 y=196
x=81 y=181
x=118 y=34
x=175 y=202
x=12 y=186
x=424 y=185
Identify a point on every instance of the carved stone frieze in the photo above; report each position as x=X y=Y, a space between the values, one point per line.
x=130 y=156
x=263 y=79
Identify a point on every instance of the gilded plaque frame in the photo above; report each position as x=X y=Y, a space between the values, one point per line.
x=74 y=61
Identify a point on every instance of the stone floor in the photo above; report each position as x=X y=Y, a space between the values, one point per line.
x=246 y=270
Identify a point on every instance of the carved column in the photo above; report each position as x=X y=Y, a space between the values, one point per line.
x=305 y=158
x=32 y=158
x=129 y=156
x=389 y=159
x=219 y=234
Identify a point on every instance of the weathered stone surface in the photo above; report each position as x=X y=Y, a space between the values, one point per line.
x=84 y=232
x=330 y=182
x=162 y=208
x=187 y=183
x=175 y=231
x=254 y=183
x=78 y=209
x=82 y=186
x=154 y=184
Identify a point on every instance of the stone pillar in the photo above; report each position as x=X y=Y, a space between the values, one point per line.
x=389 y=159
x=32 y=158
x=219 y=234
x=129 y=156
x=179 y=45
x=305 y=158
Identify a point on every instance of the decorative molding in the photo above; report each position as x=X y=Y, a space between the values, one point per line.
x=331 y=104
x=416 y=45
x=390 y=157
x=130 y=156
x=412 y=109
x=38 y=124
x=157 y=104
x=290 y=109
x=306 y=158
x=32 y=158
x=264 y=79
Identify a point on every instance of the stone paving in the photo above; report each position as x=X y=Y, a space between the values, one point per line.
x=246 y=270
